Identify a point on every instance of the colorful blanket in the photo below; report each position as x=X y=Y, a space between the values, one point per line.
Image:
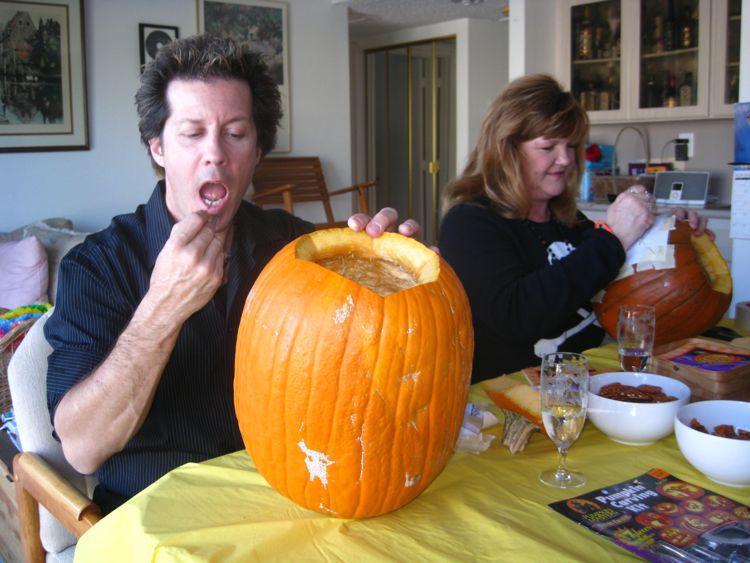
x=14 y=317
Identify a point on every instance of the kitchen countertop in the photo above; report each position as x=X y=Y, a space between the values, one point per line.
x=710 y=211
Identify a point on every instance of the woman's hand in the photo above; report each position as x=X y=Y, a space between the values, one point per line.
x=696 y=221
x=631 y=215
x=384 y=220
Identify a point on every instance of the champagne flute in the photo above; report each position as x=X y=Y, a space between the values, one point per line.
x=565 y=394
x=636 y=328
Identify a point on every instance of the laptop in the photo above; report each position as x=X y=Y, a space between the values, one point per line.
x=681 y=188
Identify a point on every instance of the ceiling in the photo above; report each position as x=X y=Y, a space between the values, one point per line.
x=370 y=17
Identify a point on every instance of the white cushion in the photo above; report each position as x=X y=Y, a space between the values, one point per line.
x=23 y=273
x=27 y=379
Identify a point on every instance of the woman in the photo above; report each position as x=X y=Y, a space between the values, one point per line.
x=529 y=260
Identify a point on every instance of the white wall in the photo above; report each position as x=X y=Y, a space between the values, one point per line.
x=481 y=72
x=532 y=37
x=714 y=147
x=487 y=63
x=113 y=177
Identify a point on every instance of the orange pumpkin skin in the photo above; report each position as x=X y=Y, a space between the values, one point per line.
x=689 y=299
x=350 y=403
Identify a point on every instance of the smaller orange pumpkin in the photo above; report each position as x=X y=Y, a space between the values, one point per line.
x=690 y=297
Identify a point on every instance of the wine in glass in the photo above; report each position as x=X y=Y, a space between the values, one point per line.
x=564 y=392
x=636 y=328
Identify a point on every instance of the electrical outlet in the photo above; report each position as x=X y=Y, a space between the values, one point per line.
x=691 y=143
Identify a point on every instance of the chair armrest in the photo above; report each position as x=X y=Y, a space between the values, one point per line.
x=361 y=190
x=356 y=187
x=37 y=482
x=272 y=191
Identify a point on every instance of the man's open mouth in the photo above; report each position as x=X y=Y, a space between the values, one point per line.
x=212 y=193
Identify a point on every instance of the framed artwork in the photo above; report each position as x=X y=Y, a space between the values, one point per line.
x=153 y=37
x=263 y=26
x=43 y=104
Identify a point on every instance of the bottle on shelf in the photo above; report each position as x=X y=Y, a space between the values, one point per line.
x=585 y=36
x=686 y=29
x=670 y=92
x=602 y=40
x=686 y=90
x=589 y=97
x=604 y=100
x=657 y=35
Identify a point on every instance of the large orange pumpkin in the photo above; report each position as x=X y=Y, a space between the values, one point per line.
x=690 y=297
x=350 y=402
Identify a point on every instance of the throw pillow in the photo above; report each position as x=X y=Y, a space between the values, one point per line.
x=23 y=273
x=57 y=242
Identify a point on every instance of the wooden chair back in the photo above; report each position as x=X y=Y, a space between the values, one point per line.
x=293 y=179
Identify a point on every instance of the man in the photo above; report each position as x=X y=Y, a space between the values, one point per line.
x=144 y=330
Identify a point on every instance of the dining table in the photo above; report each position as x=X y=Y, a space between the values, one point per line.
x=487 y=506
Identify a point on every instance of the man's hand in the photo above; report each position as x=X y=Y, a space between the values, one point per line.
x=384 y=220
x=190 y=268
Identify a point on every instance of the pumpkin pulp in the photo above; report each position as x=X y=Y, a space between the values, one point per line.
x=378 y=264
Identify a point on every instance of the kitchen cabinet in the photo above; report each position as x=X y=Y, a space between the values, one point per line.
x=651 y=60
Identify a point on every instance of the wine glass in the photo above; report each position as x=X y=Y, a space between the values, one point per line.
x=565 y=394
x=636 y=328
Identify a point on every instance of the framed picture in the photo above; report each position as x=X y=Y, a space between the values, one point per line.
x=42 y=76
x=153 y=37
x=263 y=26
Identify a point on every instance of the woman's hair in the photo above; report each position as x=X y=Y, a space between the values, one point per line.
x=529 y=107
x=207 y=57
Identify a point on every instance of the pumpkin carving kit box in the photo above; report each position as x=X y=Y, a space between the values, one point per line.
x=711 y=369
x=352 y=370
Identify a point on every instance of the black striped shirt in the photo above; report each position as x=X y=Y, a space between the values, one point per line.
x=101 y=283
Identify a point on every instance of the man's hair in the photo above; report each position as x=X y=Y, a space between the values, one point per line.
x=529 y=107
x=207 y=57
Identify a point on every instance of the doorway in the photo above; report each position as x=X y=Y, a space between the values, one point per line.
x=411 y=127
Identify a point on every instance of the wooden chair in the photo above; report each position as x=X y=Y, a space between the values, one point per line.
x=43 y=478
x=38 y=483
x=293 y=179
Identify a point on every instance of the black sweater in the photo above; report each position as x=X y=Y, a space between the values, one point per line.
x=517 y=297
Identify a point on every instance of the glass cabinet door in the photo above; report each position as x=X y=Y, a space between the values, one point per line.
x=725 y=56
x=673 y=58
x=595 y=55
x=670 y=36
x=732 y=79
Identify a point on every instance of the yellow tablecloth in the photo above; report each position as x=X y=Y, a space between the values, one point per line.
x=481 y=507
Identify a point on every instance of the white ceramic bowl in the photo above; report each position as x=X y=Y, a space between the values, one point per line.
x=635 y=424
x=724 y=460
